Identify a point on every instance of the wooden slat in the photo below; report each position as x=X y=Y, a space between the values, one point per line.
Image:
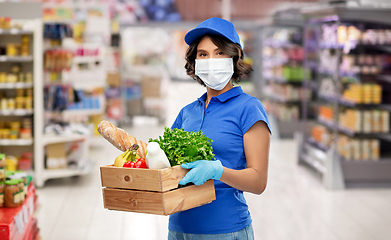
x=130 y=178
x=133 y=201
x=170 y=177
x=157 y=202
x=188 y=197
x=142 y=179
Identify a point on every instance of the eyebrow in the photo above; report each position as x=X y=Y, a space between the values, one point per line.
x=202 y=50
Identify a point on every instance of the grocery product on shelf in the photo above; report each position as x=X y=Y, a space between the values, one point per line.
x=11 y=193
x=19 y=48
x=283 y=76
x=16 y=129
x=358 y=149
x=350 y=63
x=2 y=167
x=1 y=193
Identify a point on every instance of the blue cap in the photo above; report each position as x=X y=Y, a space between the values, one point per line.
x=215 y=26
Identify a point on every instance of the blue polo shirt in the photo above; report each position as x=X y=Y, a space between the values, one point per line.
x=228 y=117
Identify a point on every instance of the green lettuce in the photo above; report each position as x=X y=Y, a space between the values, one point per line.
x=181 y=146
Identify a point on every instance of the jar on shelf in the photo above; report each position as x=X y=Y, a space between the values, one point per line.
x=19 y=102
x=3 y=77
x=21 y=77
x=12 y=49
x=19 y=92
x=29 y=77
x=28 y=102
x=4 y=104
x=15 y=125
x=1 y=194
x=11 y=78
x=23 y=175
x=6 y=23
x=11 y=104
x=2 y=167
x=11 y=163
x=21 y=190
x=6 y=133
x=25 y=133
x=16 y=177
x=24 y=50
x=29 y=92
x=11 y=193
x=14 y=134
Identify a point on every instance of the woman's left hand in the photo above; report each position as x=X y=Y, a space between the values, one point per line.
x=201 y=171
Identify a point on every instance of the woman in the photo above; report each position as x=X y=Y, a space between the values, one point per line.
x=238 y=125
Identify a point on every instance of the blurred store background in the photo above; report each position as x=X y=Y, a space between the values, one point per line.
x=322 y=69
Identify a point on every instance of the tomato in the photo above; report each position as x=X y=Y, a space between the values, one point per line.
x=140 y=163
x=129 y=164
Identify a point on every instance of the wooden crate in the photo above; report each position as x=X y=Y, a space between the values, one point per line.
x=152 y=191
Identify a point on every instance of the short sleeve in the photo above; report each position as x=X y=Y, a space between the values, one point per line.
x=253 y=111
x=178 y=121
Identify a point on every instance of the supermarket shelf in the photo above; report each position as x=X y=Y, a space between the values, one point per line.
x=14 y=31
x=348 y=103
x=331 y=45
x=16 y=142
x=52 y=139
x=281 y=99
x=87 y=59
x=16 y=59
x=318 y=145
x=313 y=163
x=351 y=133
x=328 y=98
x=283 y=80
x=280 y=44
x=369 y=170
x=16 y=112
x=63 y=173
x=16 y=85
x=326 y=123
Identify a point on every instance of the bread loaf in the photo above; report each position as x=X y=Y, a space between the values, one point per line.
x=120 y=138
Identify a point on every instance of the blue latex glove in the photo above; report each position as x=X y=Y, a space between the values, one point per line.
x=201 y=171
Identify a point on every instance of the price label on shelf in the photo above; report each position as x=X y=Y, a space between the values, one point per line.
x=31 y=205
x=25 y=214
x=3 y=58
x=19 y=222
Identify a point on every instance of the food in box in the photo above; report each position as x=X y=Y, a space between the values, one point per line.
x=154 y=191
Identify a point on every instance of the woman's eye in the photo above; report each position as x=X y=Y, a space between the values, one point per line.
x=202 y=55
x=220 y=53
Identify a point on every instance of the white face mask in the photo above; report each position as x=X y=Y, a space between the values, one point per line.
x=214 y=72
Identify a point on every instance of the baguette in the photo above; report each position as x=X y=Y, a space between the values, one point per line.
x=120 y=138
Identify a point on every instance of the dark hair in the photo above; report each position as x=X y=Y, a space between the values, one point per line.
x=229 y=48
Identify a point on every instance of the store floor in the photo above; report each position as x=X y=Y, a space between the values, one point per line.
x=295 y=205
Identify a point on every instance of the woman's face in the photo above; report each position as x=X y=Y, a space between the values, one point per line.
x=207 y=49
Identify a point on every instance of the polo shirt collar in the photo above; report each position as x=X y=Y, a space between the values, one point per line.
x=235 y=91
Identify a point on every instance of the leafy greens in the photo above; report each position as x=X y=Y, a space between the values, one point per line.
x=181 y=146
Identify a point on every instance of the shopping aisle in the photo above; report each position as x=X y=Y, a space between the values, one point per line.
x=294 y=206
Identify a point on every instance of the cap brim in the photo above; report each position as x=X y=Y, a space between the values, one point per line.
x=192 y=35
